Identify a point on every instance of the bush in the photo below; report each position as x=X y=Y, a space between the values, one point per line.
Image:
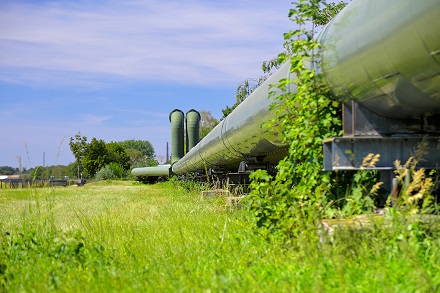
x=117 y=169
x=111 y=171
x=104 y=174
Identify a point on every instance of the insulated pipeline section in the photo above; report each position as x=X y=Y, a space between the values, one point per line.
x=156 y=171
x=241 y=133
x=386 y=55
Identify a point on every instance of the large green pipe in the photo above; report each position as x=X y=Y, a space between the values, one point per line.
x=386 y=55
x=177 y=135
x=241 y=133
x=192 y=129
x=156 y=171
x=383 y=53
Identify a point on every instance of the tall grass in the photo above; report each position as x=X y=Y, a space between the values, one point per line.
x=118 y=236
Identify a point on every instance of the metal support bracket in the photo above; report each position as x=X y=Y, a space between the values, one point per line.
x=347 y=153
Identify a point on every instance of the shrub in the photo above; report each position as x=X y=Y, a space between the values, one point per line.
x=117 y=169
x=105 y=173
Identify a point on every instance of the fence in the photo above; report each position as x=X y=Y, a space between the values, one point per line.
x=27 y=183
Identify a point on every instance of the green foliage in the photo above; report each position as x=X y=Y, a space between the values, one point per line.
x=37 y=173
x=78 y=146
x=56 y=171
x=298 y=195
x=138 y=159
x=113 y=170
x=188 y=183
x=143 y=146
x=360 y=197
x=207 y=123
x=328 y=12
x=95 y=157
x=105 y=173
x=69 y=170
x=117 y=154
x=117 y=169
x=244 y=90
x=7 y=170
x=117 y=236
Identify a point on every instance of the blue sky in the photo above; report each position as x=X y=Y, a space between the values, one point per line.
x=114 y=70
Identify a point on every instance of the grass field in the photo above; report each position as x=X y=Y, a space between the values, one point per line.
x=120 y=236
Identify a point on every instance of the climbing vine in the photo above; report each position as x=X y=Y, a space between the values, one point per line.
x=299 y=191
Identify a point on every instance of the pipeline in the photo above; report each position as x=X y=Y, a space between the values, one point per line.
x=192 y=129
x=177 y=135
x=192 y=122
x=385 y=54
x=382 y=59
x=154 y=172
x=240 y=134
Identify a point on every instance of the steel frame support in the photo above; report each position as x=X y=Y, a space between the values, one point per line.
x=393 y=139
x=347 y=153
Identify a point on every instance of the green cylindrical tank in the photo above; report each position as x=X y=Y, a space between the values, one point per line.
x=177 y=135
x=192 y=129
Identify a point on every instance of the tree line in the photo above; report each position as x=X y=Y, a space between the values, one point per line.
x=109 y=160
x=95 y=159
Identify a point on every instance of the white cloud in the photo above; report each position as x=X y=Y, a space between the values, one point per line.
x=115 y=69
x=89 y=119
x=178 y=41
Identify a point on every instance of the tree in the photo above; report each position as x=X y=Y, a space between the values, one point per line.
x=245 y=88
x=138 y=159
x=78 y=146
x=207 y=123
x=140 y=152
x=37 y=172
x=70 y=170
x=6 y=170
x=56 y=171
x=117 y=154
x=95 y=157
x=143 y=146
x=324 y=15
x=92 y=157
